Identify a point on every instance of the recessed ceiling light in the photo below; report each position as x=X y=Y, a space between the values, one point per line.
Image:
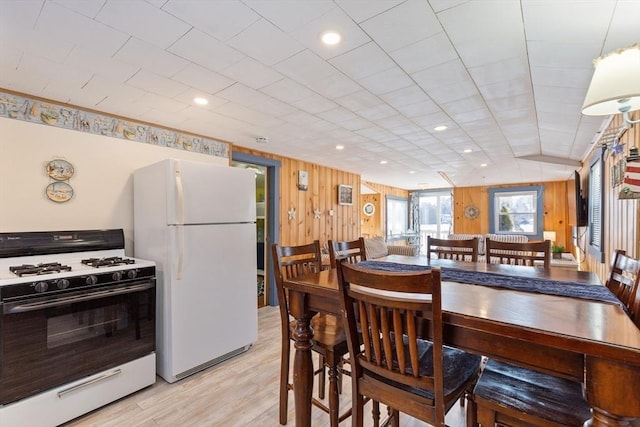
x=201 y=101
x=440 y=128
x=423 y=184
x=339 y=147
x=331 y=38
x=412 y=171
x=483 y=165
x=468 y=150
x=383 y=162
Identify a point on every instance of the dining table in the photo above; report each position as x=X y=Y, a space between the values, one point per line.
x=591 y=341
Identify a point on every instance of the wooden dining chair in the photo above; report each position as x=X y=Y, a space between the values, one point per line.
x=518 y=253
x=460 y=250
x=623 y=282
x=329 y=339
x=352 y=250
x=509 y=395
x=393 y=365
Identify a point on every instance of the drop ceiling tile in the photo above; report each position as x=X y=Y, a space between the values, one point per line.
x=337 y=115
x=274 y=107
x=623 y=23
x=72 y=27
x=425 y=53
x=206 y=51
x=202 y=78
x=162 y=103
x=57 y=73
x=187 y=97
x=414 y=17
x=359 y=101
x=220 y=19
x=571 y=77
x=503 y=106
x=34 y=43
x=266 y=43
x=86 y=59
x=151 y=58
x=568 y=95
x=360 y=10
x=154 y=83
x=287 y=90
x=458 y=91
x=335 y=20
x=248 y=115
x=363 y=61
x=143 y=21
x=315 y=104
x=568 y=22
x=446 y=74
x=356 y=123
x=289 y=15
x=497 y=33
x=562 y=55
x=512 y=68
x=305 y=67
x=251 y=73
x=89 y=8
x=386 y=81
x=242 y=95
x=334 y=86
x=18 y=15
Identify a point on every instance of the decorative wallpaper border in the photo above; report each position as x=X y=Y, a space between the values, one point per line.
x=63 y=116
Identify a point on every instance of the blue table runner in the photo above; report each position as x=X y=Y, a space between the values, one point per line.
x=516 y=283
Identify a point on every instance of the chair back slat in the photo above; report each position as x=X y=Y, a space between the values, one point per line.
x=352 y=251
x=293 y=261
x=518 y=253
x=458 y=249
x=383 y=325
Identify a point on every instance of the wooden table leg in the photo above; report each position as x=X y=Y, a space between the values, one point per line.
x=302 y=363
x=611 y=389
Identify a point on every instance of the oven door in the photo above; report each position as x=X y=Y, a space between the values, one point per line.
x=49 y=341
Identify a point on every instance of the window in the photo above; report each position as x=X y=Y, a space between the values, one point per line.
x=516 y=210
x=436 y=215
x=596 y=187
x=397 y=215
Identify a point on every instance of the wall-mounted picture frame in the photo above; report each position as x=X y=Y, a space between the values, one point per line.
x=345 y=195
x=303 y=180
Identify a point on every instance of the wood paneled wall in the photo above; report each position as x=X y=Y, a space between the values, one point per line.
x=322 y=195
x=374 y=225
x=621 y=219
x=554 y=205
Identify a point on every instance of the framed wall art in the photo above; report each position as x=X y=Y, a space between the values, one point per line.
x=345 y=195
x=303 y=180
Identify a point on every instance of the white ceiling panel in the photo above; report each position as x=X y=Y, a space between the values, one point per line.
x=78 y=29
x=507 y=78
x=266 y=43
x=145 y=55
x=219 y=19
x=142 y=20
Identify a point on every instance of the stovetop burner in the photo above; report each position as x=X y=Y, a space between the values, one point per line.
x=38 y=269
x=107 y=262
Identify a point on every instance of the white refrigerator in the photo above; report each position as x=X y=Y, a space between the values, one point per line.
x=197 y=222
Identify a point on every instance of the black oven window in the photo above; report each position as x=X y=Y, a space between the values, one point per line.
x=69 y=328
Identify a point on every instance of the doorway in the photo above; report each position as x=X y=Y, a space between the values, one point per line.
x=267 y=211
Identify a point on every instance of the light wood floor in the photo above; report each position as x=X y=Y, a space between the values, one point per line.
x=240 y=392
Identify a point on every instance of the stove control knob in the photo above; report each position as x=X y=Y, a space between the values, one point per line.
x=41 y=287
x=91 y=280
x=131 y=274
x=117 y=275
x=62 y=283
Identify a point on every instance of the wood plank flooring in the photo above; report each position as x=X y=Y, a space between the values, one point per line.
x=240 y=392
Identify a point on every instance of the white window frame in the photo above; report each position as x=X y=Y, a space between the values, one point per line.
x=495 y=194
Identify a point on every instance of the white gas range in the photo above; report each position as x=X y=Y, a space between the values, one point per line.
x=78 y=324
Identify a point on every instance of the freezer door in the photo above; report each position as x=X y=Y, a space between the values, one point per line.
x=204 y=193
x=213 y=307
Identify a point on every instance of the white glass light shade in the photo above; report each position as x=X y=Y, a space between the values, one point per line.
x=615 y=83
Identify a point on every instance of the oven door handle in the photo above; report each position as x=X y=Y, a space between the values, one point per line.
x=19 y=307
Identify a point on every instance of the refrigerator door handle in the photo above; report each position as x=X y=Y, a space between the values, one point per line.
x=180 y=212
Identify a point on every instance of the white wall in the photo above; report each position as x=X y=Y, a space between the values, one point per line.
x=102 y=183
